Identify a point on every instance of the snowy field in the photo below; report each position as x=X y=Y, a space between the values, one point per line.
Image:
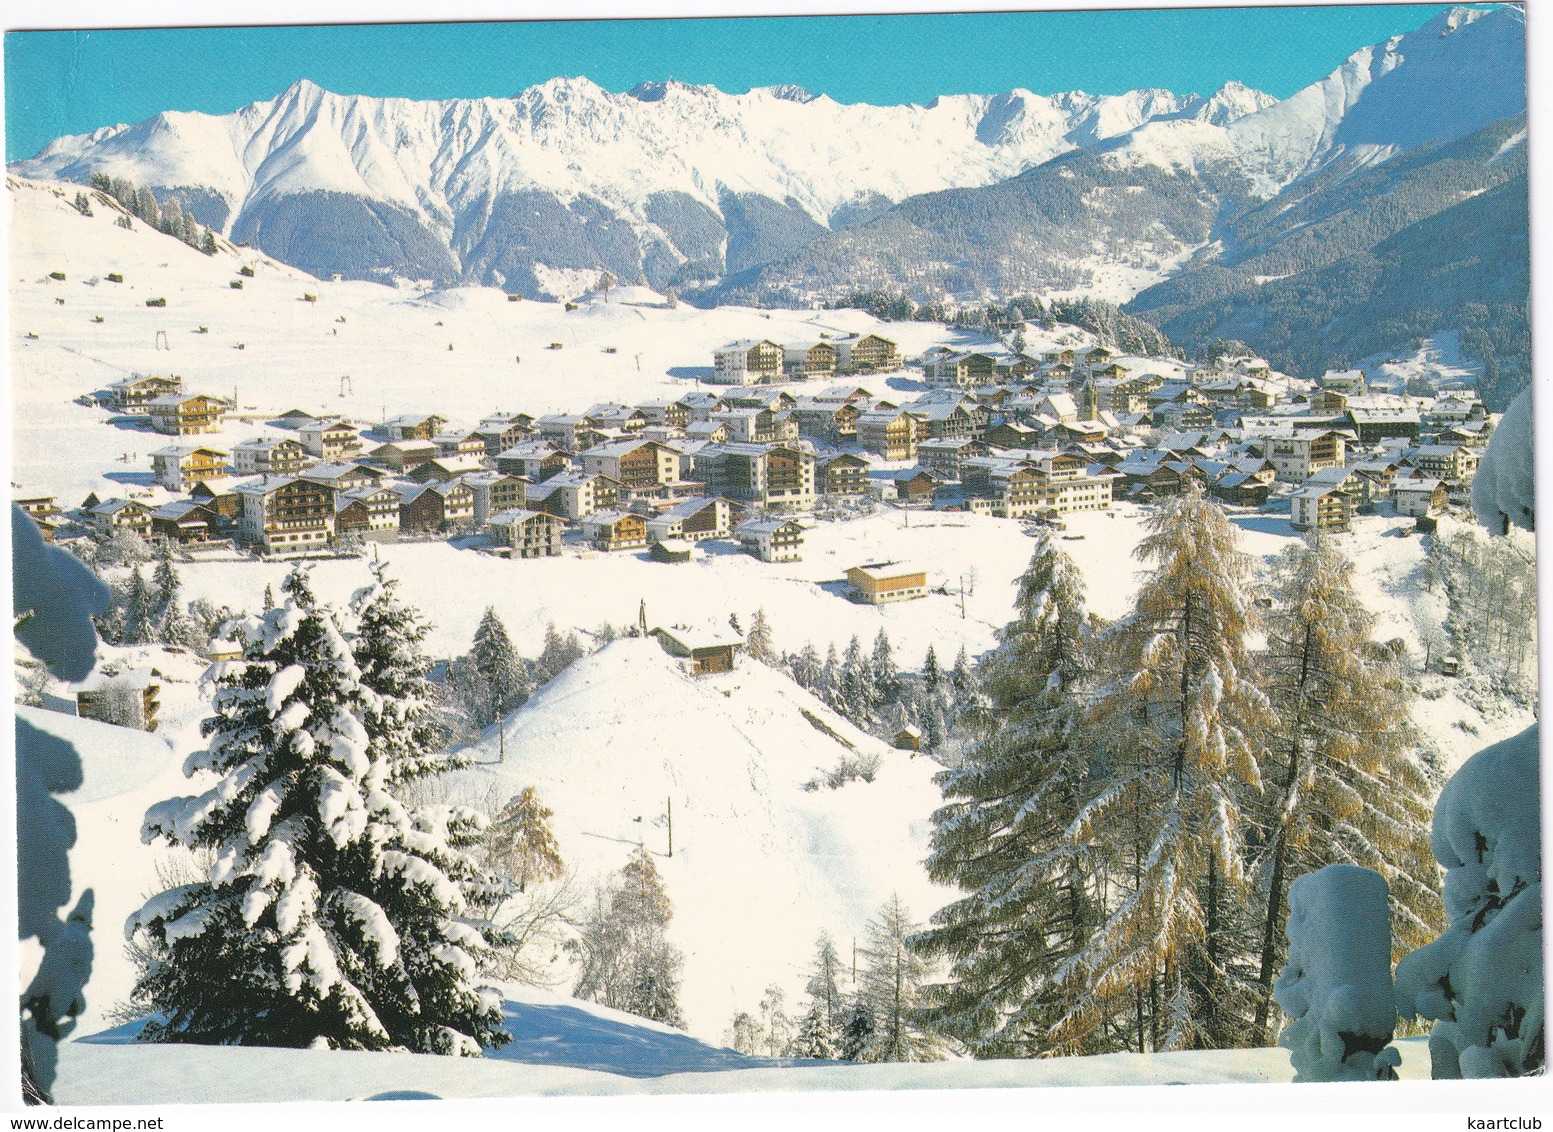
x=279 y=352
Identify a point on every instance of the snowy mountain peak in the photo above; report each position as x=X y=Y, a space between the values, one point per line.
x=789 y=92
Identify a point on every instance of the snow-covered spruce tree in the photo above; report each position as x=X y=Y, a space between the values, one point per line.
x=330 y=917
x=1005 y=838
x=401 y=722
x=805 y=667
x=167 y=586
x=1184 y=721
x=857 y=696
x=557 y=653
x=1481 y=981
x=816 y=1036
x=857 y=1032
x=501 y=673
x=823 y=986
x=891 y=984
x=138 y=621
x=885 y=673
x=627 y=961
x=1340 y=783
x=520 y=844
x=758 y=642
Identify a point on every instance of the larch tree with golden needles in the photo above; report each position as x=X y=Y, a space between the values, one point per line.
x=1342 y=786
x=1182 y=720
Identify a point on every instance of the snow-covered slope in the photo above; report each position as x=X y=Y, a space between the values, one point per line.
x=760 y=865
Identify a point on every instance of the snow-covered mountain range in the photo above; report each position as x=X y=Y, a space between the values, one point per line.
x=688 y=184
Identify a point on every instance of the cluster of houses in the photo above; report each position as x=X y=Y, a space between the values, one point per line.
x=992 y=432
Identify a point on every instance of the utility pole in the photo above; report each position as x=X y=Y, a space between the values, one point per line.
x=501 y=734
x=670 y=802
x=962 y=597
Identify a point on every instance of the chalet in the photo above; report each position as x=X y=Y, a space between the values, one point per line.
x=671 y=550
x=413 y=426
x=125 y=699
x=802 y=360
x=889 y=433
x=617 y=417
x=403 y=455
x=353 y=518
x=223 y=503
x=497 y=438
x=133 y=394
x=528 y=534
x=943 y=457
x=330 y=439
x=870 y=353
x=1328 y=402
x=373 y=510
x=777 y=476
x=294 y=419
x=1058 y=405
x=962 y=369
x=693 y=519
x=907 y=739
x=114 y=515
x=270 y=456
x=845 y=474
x=1419 y=498
x=1297 y=454
x=1241 y=489
x=615 y=530
x=180 y=467
x=1008 y=434
x=283 y=513
x=674 y=414
x=494 y=492
x=535 y=460
x=747 y=362
x=772 y=540
x=701 y=404
x=1350 y=382
x=1455 y=462
x=463 y=444
x=635 y=463
x=877 y=583
x=344 y=476
x=829 y=422
x=179 y=414
x=941 y=420
x=574 y=495
x=1320 y=507
x=184 y=520
x=715 y=432
x=914 y=485
x=1372 y=425
x=444 y=469
x=570 y=431
x=1372 y=480
x=705 y=650
x=435 y=506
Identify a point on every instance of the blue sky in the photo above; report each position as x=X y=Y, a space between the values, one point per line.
x=63 y=82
